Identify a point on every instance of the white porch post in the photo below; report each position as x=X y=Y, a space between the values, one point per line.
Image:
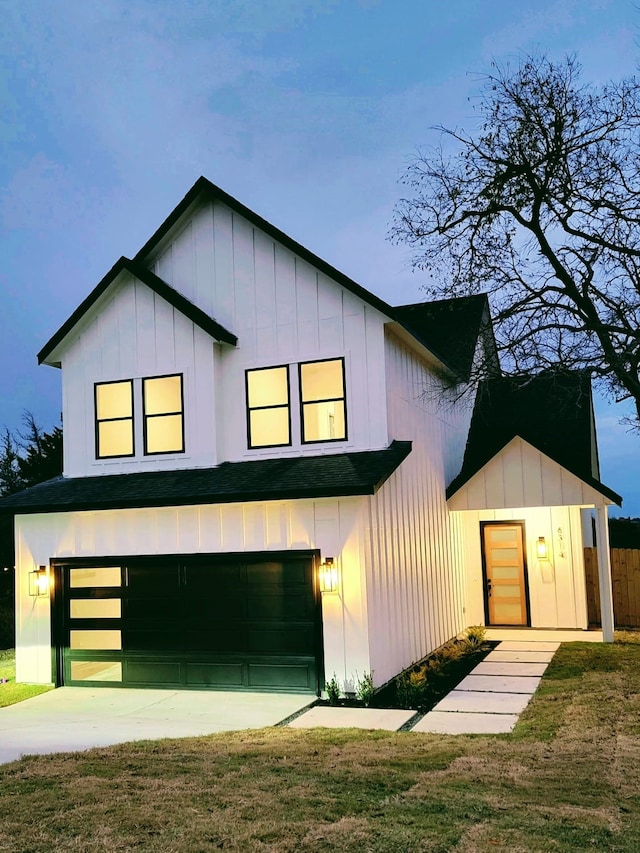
x=604 y=573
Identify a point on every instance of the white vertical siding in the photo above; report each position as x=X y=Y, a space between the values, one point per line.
x=281 y=308
x=137 y=334
x=414 y=550
x=557 y=593
x=332 y=526
x=520 y=475
x=283 y=311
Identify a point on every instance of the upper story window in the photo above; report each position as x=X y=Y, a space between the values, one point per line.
x=114 y=419
x=322 y=401
x=163 y=414
x=268 y=414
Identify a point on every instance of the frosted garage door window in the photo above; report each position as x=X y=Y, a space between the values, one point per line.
x=114 y=419
x=268 y=421
x=322 y=399
x=99 y=576
x=163 y=414
x=96 y=670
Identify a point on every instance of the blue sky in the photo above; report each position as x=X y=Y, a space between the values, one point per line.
x=305 y=110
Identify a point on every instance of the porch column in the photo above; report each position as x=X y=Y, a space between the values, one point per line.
x=604 y=573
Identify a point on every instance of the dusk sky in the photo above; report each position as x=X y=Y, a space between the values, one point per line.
x=307 y=111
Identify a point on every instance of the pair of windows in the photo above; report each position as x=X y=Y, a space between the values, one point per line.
x=322 y=403
x=162 y=417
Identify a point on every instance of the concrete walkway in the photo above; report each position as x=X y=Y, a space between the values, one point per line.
x=488 y=701
x=492 y=697
x=76 y=718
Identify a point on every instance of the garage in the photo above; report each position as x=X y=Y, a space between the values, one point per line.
x=225 y=621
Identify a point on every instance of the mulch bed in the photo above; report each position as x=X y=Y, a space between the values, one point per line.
x=438 y=688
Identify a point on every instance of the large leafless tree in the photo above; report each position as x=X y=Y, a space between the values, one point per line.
x=540 y=208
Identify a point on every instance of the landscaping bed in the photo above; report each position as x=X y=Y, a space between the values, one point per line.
x=421 y=686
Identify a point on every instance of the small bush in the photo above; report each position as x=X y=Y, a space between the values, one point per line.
x=475 y=636
x=364 y=687
x=333 y=690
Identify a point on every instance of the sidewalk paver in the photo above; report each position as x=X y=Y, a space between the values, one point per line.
x=519 y=657
x=528 y=646
x=491 y=667
x=390 y=719
x=483 y=703
x=446 y=723
x=500 y=683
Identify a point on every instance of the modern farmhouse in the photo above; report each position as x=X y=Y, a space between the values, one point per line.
x=267 y=479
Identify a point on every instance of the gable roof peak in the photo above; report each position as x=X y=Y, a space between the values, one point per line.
x=155 y=283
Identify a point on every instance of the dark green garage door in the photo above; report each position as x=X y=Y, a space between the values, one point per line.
x=224 y=621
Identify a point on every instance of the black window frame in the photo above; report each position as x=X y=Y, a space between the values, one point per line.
x=146 y=417
x=343 y=399
x=97 y=421
x=250 y=409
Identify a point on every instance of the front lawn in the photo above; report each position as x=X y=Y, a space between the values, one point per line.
x=567 y=779
x=10 y=692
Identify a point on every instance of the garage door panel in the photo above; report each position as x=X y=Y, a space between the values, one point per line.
x=158 y=609
x=153 y=672
x=296 y=606
x=291 y=676
x=211 y=576
x=151 y=579
x=219 y=606
x=163 y=639
x=287 y=641
x=215 y=675
x=221 y=640
x=289 y=574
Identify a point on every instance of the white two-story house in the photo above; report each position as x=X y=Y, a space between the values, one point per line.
x=265 y=483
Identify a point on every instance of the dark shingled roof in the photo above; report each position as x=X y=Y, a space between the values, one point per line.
x=332 y=475
x=452 y=327
x=551 y=411
x=180 y=302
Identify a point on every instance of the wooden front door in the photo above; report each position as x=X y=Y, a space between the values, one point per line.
x=505 y=580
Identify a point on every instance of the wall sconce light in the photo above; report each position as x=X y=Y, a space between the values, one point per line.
x=38 y=581
x=542 y=551
x=328 y=575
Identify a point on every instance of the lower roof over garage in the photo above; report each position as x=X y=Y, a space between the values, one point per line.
x=286 y=478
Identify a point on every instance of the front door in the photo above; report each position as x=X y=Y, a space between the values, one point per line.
x=505 y=579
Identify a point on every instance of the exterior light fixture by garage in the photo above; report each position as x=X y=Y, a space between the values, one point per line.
x=328 y=575
x=541 y=548
x=39 y=581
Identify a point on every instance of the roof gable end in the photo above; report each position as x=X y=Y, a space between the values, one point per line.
x=168 y=293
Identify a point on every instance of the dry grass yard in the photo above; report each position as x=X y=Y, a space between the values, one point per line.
x=567 y=779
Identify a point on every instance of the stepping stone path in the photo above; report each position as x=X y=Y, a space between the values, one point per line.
x=488 y=701
x=492 y=697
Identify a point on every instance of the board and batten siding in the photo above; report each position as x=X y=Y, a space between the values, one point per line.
x=557 y=590
x=283 y=311
x=138 y=334
x=520 y=475
x=416 y=582
x=332 y=526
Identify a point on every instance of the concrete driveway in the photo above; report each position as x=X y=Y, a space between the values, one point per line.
x=73 y=718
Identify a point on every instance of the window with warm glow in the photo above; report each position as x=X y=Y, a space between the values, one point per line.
x=268 y=421
x=163 y=414
x=322 y=401
x=114 y=419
